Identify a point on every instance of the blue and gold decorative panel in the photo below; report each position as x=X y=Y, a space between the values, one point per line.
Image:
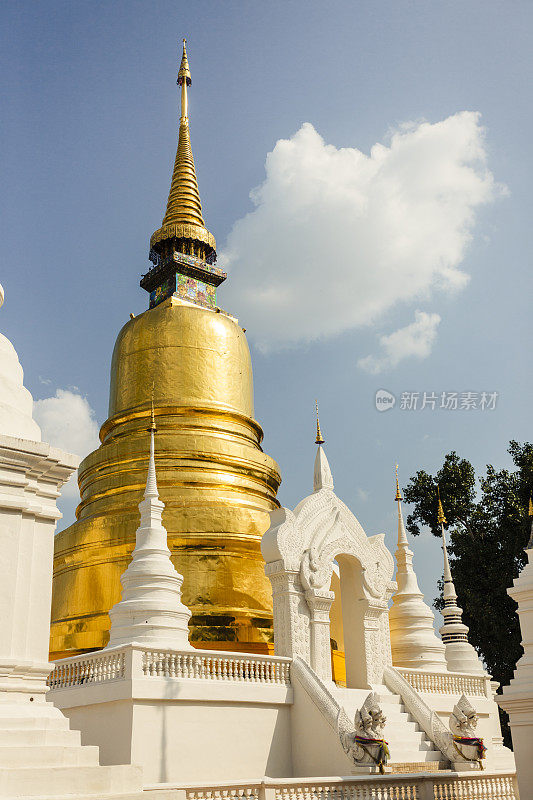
x=161 y=293
x=196 y=291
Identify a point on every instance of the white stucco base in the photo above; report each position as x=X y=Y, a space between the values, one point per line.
x=201 y=716
x=185 y=730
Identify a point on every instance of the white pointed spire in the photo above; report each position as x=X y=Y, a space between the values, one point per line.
x=460 y=655
x=151 y=480
x=150 y=611
x=414 y=642
x=322 y=477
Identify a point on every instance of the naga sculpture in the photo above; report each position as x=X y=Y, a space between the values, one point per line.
x=363 y=740
x=463 y=721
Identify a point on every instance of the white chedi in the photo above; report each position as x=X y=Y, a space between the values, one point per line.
x=40 y=756
x=150 y=611
x=16 y=402
x=414 y=643
x=460 y=655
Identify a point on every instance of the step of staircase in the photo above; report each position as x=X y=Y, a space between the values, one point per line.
x=420 y=766
x=48 y=756
x=408 y=744
x=59 y=723
x=144 y=794
x=22 y=737
x=406 y=755
x=68 y=782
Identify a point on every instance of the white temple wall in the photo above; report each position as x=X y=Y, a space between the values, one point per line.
x=185 y=731
x=108 y=725
x=216 y=740
x=315 y=746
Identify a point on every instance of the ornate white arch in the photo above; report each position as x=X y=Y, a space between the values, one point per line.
x=299 y=549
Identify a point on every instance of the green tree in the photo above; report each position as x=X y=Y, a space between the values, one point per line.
x=487 y=532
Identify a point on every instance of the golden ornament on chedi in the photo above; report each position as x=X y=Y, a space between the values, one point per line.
x=217 y=484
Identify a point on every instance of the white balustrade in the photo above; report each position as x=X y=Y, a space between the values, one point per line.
x=390 y=787
x=216 y=666
x=100 y=667
x=93 y=668
x=446 y=683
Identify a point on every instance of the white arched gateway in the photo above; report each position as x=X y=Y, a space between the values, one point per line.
x=300 y=549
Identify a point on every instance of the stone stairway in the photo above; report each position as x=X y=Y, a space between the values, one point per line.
x=40 y=757
x=410 y=749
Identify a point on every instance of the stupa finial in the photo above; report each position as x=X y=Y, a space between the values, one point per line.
x=441 y=519
x=183 y=227
x=322 y=477
x=319 y=439
x=152 y=428
x=151 y=479
x=402 y=536
x=398 y=497
x=184 y=73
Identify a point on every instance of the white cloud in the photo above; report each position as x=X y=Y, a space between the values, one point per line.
x=67 y=421
x=415 y=340
x=338 y=237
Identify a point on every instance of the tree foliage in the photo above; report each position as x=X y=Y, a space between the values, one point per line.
x=488 y=528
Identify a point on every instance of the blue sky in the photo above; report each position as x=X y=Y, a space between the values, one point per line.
x=89 y=137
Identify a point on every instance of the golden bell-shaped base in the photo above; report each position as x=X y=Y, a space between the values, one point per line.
x=217 y=484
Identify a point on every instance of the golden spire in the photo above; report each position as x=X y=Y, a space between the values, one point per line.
x=152 y=428
x=184 y=71
x=183 y=217
x=530 y=509
x=441 y=519
x=398 y=497
x=319 y=439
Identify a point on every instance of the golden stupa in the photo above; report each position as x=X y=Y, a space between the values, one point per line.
x=192 y=360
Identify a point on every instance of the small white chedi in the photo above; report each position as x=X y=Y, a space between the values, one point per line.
x=150 y=610
x=413 y=640
x=460 y=655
